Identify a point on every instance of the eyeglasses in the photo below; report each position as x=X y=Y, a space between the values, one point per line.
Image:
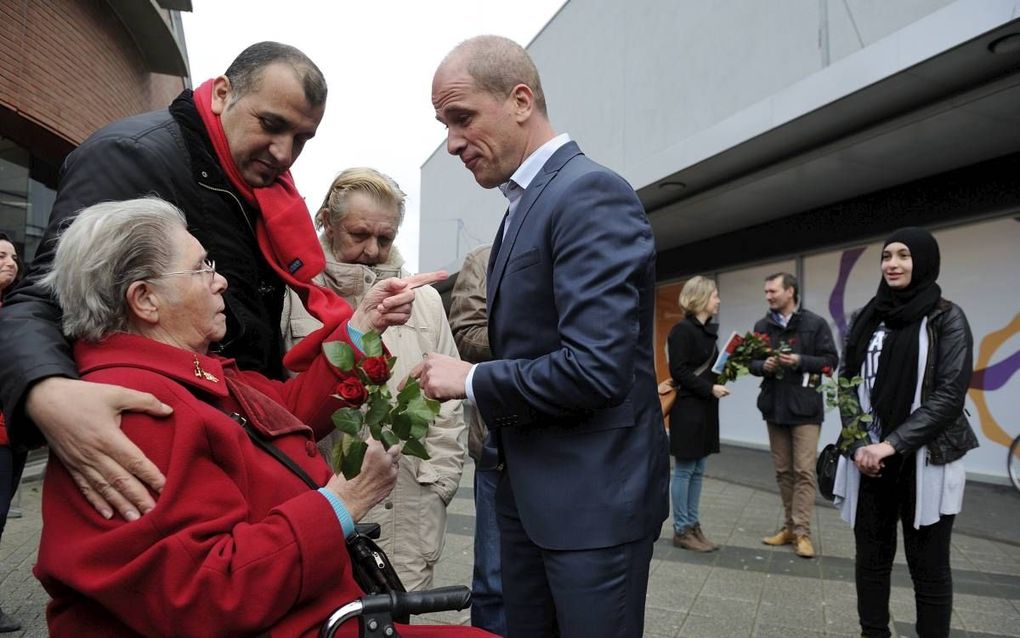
x=208 y=266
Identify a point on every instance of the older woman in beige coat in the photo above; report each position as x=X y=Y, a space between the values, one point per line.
x=359 y=219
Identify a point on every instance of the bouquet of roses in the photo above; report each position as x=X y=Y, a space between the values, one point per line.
x=737 y=354
x=369 y=404
x=838 y=393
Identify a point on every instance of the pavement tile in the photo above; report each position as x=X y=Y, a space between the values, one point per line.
x=715 y=627
x=809 y=615
x=665 y=622
x=779 y=631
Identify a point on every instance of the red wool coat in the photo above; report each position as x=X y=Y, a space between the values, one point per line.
x=237 y=544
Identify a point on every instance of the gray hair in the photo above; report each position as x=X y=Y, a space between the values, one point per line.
x=105 y=249
x=498 y=64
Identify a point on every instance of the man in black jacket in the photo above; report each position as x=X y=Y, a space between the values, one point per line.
x=267 y=104
x=791 y=405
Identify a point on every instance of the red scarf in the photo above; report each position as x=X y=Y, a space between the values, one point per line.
x=286 y=237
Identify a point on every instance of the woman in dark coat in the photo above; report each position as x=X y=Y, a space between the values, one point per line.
x=909 y=468
x=694 y=419
x=12 y=462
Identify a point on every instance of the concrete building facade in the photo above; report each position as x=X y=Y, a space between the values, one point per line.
x=772 y=135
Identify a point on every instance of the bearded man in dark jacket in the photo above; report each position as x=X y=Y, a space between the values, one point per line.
x=215 y=163
x=790 y=403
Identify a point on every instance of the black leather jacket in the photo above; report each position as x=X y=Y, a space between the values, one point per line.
x=165 y=153
x=940 y=422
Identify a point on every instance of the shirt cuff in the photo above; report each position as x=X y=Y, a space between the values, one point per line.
x=468 y=391
x=356 y=336
x=342 y=515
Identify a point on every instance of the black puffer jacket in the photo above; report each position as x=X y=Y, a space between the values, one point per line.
x=940 y=422
x=788 y=401
x=165 y=153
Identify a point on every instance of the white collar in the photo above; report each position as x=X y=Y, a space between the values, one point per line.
x=533 y=163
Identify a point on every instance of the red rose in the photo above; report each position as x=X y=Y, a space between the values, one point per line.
x=352 y=391
x=376 y=369
x=827 y=371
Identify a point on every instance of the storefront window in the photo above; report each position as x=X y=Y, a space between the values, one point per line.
x=26 y=196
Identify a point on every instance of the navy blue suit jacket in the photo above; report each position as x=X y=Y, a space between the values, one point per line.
x=572 y=392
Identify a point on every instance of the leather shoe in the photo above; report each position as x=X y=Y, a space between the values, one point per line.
x=700 y=535
x=782 y=537
x=803 y=547
x=687 y=540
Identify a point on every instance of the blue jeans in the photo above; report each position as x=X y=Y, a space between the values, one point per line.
x=686 y=491
x=487 y=611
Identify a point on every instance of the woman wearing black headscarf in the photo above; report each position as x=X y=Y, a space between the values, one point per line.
x=913 y=351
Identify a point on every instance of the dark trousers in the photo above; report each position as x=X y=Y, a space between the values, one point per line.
x=486 y=583
x=12 y=464
x=881 y=502
x=596 y=593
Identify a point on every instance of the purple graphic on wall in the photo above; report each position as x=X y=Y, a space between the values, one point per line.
x=836 y=299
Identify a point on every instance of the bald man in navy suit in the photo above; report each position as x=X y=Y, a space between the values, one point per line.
x=571 y=394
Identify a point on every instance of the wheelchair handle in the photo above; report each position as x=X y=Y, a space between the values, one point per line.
x=399 y=603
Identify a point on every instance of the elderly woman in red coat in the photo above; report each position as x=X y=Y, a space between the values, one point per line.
x=237 y=543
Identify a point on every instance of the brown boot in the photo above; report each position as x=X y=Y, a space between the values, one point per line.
x=782 y=537
x=687 y=540
x=700 y=535
x=803 y=547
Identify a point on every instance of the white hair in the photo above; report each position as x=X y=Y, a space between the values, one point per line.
x=105 y=249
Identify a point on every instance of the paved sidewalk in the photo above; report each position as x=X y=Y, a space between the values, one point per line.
x=745 y=589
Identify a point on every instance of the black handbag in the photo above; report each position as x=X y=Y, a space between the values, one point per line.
x=825 y=470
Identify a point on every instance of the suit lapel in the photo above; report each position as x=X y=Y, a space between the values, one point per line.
x=531 y=195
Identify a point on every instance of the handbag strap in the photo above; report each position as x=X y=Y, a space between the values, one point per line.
x=273 y=451
x=704 y=366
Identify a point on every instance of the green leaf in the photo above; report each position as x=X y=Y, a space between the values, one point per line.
x=866 y=418
x=418 y=431
x=376 y=431
x=402 y=426
x=389 y=439
x=414 y=447
x=339 y=354
x=410 y=390
x=354 y=455
x=378 y=408
x=418 y=411
x=844 y=382
x=348 y=420
x=433 y=406
x=371 y=344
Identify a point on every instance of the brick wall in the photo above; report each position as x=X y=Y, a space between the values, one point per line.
x=69 y=67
